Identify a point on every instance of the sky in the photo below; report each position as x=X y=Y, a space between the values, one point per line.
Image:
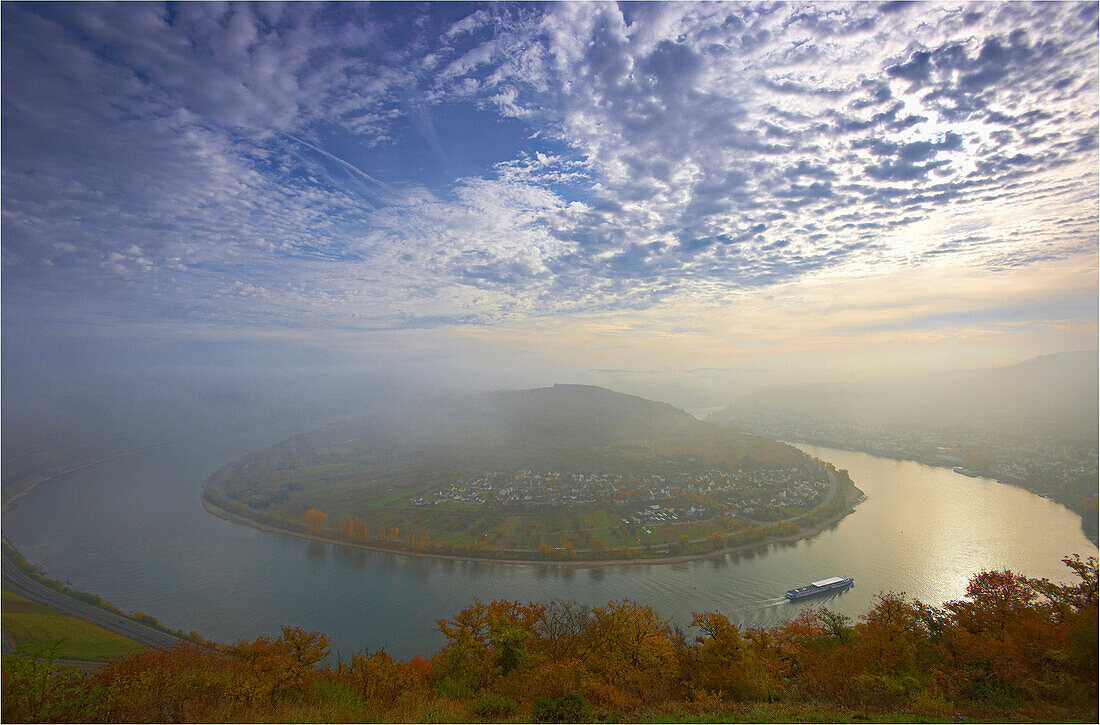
x=536 y=193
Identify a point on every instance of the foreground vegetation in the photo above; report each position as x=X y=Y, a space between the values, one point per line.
x=35 y=627
x=1013 y=649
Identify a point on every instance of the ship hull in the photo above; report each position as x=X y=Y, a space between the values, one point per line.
x=814 y=590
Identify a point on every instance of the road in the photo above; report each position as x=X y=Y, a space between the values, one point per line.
x=16 y=581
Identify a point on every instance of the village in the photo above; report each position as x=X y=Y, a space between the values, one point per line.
x=649 y=499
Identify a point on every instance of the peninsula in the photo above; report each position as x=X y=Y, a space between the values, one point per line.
x=563 y=474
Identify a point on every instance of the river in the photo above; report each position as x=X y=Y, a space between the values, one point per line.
x=134 y=532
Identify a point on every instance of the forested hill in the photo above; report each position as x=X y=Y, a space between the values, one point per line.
x=579 y=414
x=576 y=428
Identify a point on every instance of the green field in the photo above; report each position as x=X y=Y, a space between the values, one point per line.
x=37 y=626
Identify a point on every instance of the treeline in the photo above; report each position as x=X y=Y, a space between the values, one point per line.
x=1013 y=649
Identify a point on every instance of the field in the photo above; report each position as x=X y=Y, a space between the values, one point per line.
x=37 y=626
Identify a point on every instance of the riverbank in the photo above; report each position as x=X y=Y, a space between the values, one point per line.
x=19 y=489
x=854 y=499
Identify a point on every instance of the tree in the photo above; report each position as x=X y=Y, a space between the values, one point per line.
x=33 y=685
x=1069 y=599
x=380 y=679
x=892 y=635
x=1002 y=636
x=307 y=648
x=560 y=630
x=484 y=642
x=315 y=520
x=630 y=646
x=994 y=601
x=717 y=661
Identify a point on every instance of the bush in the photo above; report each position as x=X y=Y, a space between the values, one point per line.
x=493 y=705
x=334 y=694
x=37 y=689
x=884 y=691
x=568 y=708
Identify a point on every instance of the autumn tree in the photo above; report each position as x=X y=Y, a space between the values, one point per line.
x=381 y=680
x=37 y=689
x=484 y=641
x=561 y=629
x=315 y=520
x=1001 y=637
x=1012 y=649
x=893 y=636
x=630 y=646
x=307 y=648
x=1074 y=608
x=1069 y=600
x=353 y=528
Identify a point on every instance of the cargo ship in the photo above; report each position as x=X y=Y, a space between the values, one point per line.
x=965 y=472
x=820 y=587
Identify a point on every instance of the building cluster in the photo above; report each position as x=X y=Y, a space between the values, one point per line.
x=652 y=499
x=656 y=514
x=798 y=493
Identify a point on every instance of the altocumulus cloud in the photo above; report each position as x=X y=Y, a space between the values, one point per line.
x=332 y=166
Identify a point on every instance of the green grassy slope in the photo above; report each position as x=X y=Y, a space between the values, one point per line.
x=36 y=626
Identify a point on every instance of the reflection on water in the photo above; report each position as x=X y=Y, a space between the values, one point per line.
x=356 y=558
x=316 y=551
x=133 y=531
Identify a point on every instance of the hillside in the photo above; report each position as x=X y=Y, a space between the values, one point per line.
x=554 y=473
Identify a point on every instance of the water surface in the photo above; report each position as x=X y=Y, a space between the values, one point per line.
x=134 y=532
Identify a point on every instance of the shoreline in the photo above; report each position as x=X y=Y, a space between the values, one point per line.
x=816 y=529
x=22 y=488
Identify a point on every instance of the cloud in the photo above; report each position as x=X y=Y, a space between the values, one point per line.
x=344 y=166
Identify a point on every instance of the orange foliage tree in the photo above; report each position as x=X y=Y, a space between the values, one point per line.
x=629 y=646
x=315 y=520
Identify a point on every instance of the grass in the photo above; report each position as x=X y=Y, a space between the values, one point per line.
x=782 y=712
x=37 y=626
